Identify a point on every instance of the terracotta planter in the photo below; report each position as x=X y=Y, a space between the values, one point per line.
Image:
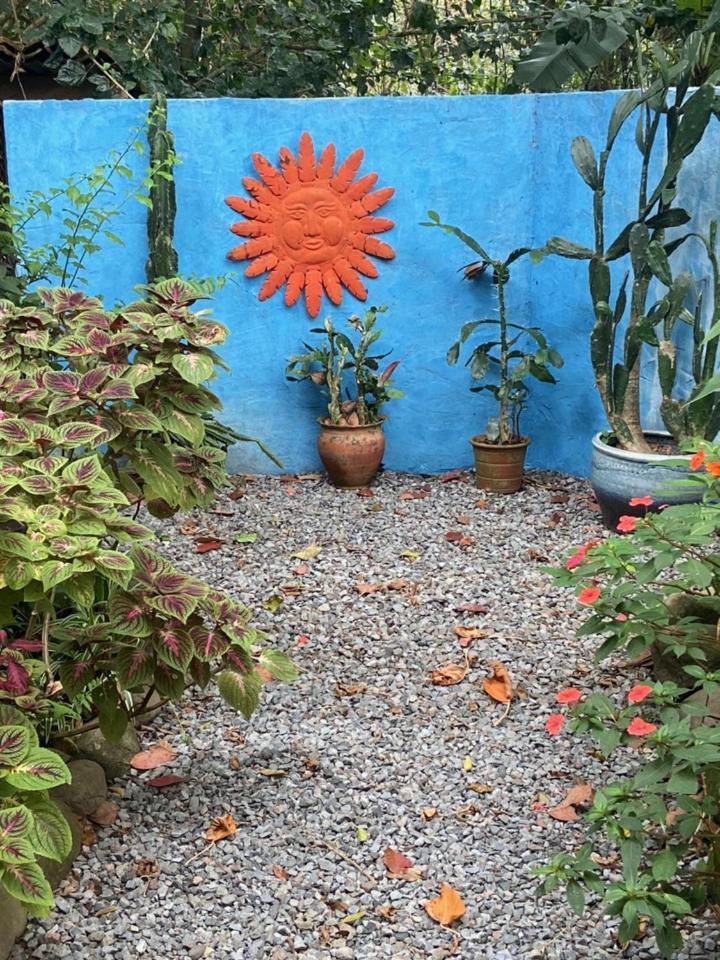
x=619 y=475
x=499 y=467
x=351 y=454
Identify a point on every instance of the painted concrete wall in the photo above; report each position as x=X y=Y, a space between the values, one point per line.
x=497 y=166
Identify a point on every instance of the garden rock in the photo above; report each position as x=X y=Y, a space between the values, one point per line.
x=87 y=790
x=669 y=667
x=114 y=758
x=12 y=922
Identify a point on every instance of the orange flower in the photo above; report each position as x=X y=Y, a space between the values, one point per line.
x=628 y=524
x=575 y=560
x=713 y=467
x=554 y=724
x=697 y=460
x=639 y=692
x=642 y=502
x=589 y=595
x=569 y=696
x=639 y=728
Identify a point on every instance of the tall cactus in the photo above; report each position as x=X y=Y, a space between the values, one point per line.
x=162 y=261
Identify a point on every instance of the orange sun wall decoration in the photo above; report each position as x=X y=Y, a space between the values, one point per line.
x=311 y=225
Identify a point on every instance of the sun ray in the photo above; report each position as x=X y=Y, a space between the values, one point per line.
x=350 y=279
x=347 y=170
x=326 y=163
x=261 y=265
x=255 y=248
x=361 y=263
x=306 y=159
x=269 y=175
x=332 y=286
x=310 y=226
x=313 y=291
x=296 y=282
x=276 y=279
x=288 y=166
x=362 y=186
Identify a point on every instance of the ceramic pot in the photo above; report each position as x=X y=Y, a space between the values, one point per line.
x=351 y=454
x=499 y=466
x=619 y=475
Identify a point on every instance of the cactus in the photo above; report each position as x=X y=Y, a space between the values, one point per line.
x=162 y=262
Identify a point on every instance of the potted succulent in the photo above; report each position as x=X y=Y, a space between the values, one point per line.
x=670 y=119
x=502 y=363
x=351 y=442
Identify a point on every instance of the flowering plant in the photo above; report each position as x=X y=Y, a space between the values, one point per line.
x=657 y=589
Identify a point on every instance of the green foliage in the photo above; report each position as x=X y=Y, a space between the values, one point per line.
x=163 y=259
x=656 y=588
x=625 y=320
x=337 y=360
x=31 y=825
x=517 y=353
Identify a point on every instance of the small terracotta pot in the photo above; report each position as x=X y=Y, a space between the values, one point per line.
x=499 y=466
x=351 y=454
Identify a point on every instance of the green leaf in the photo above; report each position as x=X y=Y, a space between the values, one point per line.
x=664 y=865
x=15 y=835
x=245 y=538
x=15 y=743
x=566 y=248
x=240 y=690
x=194 y=367
x=77 y=434
x=575 y=897
x=51 y=834
x=583 y=156
x=40 y=769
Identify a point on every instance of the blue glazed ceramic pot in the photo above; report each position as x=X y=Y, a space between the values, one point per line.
x=619 y=475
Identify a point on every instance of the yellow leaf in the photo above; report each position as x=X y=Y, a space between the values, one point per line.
x=362 y=834
x=309 y=552
x=467 y=764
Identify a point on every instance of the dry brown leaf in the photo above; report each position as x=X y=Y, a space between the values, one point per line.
x=559 y=498
x=308 y=553
x=221 y=827
x=349 y=689
x=289 y=489
x=280 y=873
x=387 y=912
x=300 y=570
x=459 y=538
x=429 y=813
x=147 y=869
x=398 y=585
x=292 y=589
x=364 y=588
x=462 y=520
x=447 y=908
x=187 y=528
x=271 y=772
x=471 y=608
x=166 y=780
x=234 y=762
x=452 y=475
x=466 y=635
x=234 y=736
x=156 y=756
x=400 y=867
x=416 y=493
x=312 y=764
x=480 y=787
x=106 y=814
x=480 y=504
x=88 y=836
x=578 y=797
x=365 y=492
x=206 y=544
x=448 y=676
x=498 y=685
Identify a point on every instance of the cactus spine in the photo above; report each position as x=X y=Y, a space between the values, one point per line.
x=162 y=261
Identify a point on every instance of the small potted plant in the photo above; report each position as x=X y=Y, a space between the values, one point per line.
x=351 y=442
x=502 y=363
x=670 y=119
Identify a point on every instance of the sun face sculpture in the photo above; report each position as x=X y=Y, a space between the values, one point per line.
x=311 y=226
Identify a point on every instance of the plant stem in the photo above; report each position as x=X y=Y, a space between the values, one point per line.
x=504 y=425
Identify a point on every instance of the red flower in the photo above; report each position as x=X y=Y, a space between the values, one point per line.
x=697 y=460
x=639 y=692
x=575 y=560
x=589 y=595
x=628 y=524
x=642 y=502
x=569 y=696
x=554 y=724
x=714 y=468
x=302 y=640
x=639 y=728
x=622 y=617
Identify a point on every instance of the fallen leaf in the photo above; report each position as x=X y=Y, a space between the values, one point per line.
x=349 y=689
x=400 y=867
x=376 y=507
x=147 y=868
x=362 y=835
x=106 y=814
x=290 y=490
x=480 y=787
x=304 y=477
x=459 y=538
x=156 y=756
x=410 y=555
x=234 y=762
x=448 y=676
x=302 y=640
x=365 y=588
x=166 y=780
x=536 y=555
x=452 y=475
x=292 y=589
x=416 y=493
x=559 y=498
x=462 y=813
x=471 y=608
x=300 y=570
x=480 y=504
x=428 y=813
x=273 y=603
x=447 y=908
x=88 y=836
x=187 y=528
x=245 y=538
x=555 y=519
x=578 y=797
x=387 y=912
x=234 y=736
x=466 y=635
x=398 y=585
x=312 y=764
x=337 y=906
x=498 y=685
x=237 y=494
x=462 y=520
x=353 y=917
x=206 y=544
x=280 y=873
x=218 y=511
x=221 y=827
x=271 y=772
x=308 y=553
x=467 y=764
x=365 y=492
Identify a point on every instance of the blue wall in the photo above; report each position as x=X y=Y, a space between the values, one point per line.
x=497 y=166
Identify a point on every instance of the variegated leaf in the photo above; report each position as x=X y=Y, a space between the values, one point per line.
x=209 y=644
x=51 y=834
x=173 y=646
x=135 y=667
x=240 y=690
x=15 y=743
x=26 y=882
x=16 y=824
x=39 y=769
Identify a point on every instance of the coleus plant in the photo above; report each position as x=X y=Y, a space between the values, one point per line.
x=31 y=825
x=657 y=589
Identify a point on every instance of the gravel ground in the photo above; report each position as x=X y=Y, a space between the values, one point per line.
x=314 y=766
